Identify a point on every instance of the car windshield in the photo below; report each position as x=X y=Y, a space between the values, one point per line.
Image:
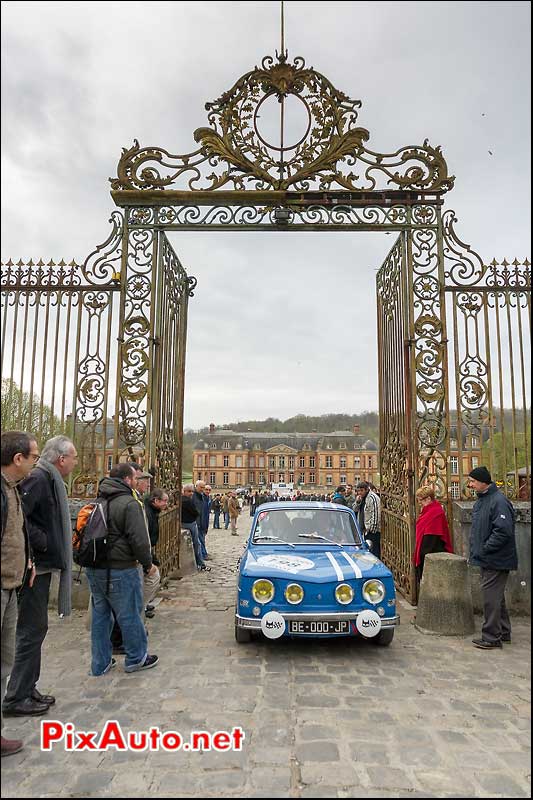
x=303 y=526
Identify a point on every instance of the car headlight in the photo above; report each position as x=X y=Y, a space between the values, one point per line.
x=263 y=591
x=294 y=594
x=344 y=593
x=373 y=592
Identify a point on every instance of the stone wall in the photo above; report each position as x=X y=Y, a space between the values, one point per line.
x=518 y=592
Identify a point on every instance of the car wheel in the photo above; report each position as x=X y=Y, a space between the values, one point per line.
x=242 y=636
x=384 y=637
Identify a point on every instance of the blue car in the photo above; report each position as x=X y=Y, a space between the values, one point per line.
x=307 y=571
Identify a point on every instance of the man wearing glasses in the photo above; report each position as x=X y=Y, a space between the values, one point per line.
x=19 y=453
x=46 y=508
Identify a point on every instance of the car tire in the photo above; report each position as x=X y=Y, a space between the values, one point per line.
x=242 y=636
x=384 y=637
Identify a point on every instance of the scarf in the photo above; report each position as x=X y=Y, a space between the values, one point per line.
x=432 y=521
x=64 y=600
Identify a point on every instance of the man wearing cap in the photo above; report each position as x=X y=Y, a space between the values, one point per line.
x=493 y=549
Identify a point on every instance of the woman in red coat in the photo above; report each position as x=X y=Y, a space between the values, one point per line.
x=432 y=534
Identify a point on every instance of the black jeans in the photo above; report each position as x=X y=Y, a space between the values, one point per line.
x=496 y=621
x=375 y=538
x=32 y=627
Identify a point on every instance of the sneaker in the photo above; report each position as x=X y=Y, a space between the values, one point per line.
x=149 y=662
x=204 y=568
x=11 y=746
x=150 y=607
x=484 y=645
x=149 y=614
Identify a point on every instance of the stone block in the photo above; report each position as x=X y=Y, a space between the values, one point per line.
x=445 y=601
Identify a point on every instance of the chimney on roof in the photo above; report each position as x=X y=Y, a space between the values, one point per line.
x=212 y=427
x=356 y=428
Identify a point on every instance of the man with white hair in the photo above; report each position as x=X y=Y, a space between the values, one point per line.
x=45 y=503
x=201 y=502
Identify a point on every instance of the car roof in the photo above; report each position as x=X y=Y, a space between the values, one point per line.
x=306 y=505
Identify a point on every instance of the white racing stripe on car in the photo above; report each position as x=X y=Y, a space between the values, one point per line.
x=356 y=568
x=335 y=565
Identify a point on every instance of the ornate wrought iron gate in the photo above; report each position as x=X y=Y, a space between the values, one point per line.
x=134 y=289
x=395 y=416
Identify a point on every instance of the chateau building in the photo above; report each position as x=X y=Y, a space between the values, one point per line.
x=228 y=459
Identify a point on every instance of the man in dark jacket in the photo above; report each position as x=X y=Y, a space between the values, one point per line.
x=116 y=586
x=46 y=508
x=493 y=549
x=19 y=453
x=189 y=521
x=201 y=502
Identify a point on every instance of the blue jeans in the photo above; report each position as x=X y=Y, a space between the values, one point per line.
x=192 y=527
x=125 y=601
x=216 y=521
x=201 y=535
x=226 y=520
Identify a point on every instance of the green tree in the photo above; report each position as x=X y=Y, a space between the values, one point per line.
x=27 y=412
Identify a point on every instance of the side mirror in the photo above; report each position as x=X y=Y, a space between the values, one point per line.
x=369 y=543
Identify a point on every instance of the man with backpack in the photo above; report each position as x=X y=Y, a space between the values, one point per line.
x=115 y=583
x=46 y=508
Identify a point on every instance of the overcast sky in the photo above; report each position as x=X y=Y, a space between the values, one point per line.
x=281 y=323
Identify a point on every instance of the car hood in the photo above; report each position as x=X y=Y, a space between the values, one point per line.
x=315 y=565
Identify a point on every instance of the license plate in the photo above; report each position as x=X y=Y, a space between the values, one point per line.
x=317 y=627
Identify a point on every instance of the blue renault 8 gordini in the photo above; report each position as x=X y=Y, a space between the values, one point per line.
x=307 y=571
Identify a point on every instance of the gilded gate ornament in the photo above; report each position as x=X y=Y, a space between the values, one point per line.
x=331 y=153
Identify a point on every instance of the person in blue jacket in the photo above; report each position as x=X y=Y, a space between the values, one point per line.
x=493 y=549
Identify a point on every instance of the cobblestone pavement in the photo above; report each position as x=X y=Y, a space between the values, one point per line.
x=427 y=717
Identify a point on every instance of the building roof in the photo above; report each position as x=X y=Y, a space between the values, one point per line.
x=297 y=441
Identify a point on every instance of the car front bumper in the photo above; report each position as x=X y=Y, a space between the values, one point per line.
x=254 y=623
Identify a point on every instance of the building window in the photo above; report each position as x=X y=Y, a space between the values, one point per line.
x=301 y=478
x=291 y=462
x=474 y=441
x=454 y=465
x=271 y=461
x=214 y=446
x=225 y=478
x=453 y=444
x=370 y=464
x=357 y=462
x=343 y=479
x=311 y=477
x=239 y=478
x=252 y=477
x=281 y=461
x=261 y=461
x=199 y=476
x=312 y=462
x=306 y=447
x=109 y=463
x=281 y=477
x=343 y=462
x=212 y=461
x=329 y=480
x=454 y=490
x=251 y=461
x=302 y=462
x=261 y=478
x=200 y=461
x=329 y=446
x=271 y=477
x=291 y=477
x=342 y=445
x=257 y=446
x=212 y=478
x=238 y=461
x=225 y=445
x=226 y=461
x=329 y=462
x=475 y=462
